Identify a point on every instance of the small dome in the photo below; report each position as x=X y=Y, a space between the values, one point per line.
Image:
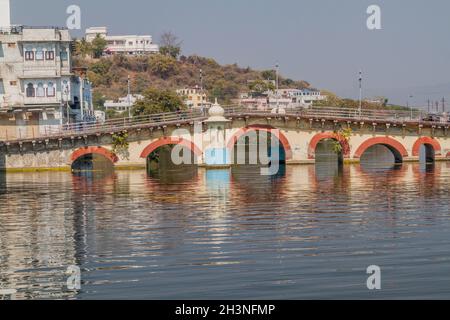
x=216 y=114
x=216 y=110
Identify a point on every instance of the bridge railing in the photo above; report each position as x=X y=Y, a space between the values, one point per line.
x=340 y=113
x=368 y=114
x=114 y=125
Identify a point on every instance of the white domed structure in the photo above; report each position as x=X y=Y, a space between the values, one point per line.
x=216 y=113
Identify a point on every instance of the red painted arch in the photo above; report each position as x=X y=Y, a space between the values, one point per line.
x=94 y=150
x=328 y=135
x=170 y=141
x=276 y=132
x=426 y=140
x=392 y=143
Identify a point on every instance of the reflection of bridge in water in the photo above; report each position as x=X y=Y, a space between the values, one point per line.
x=212 y=140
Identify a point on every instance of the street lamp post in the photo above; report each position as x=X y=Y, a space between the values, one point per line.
x=410 y=107
x=129 y=97
x=277 y=67
x=81 y=99
x=66 y=98
x=360 y=93
x=201 y=93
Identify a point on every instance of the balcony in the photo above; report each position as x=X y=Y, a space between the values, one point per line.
x=41 y=69
x=38 y=101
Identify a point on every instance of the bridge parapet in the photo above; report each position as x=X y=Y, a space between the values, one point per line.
x=299 y=133
x=392 y=118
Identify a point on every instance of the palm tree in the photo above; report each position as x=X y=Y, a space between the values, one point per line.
x=83 y=48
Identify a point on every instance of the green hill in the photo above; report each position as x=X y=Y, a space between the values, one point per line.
x=109 y=76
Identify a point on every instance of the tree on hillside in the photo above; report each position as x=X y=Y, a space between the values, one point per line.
x=101 y=67
x=158 y=101
x=170 y=45
x=260 y=86
x=287 y=82
x=83 y=48
x=98 y=100
x=269 y=74
x=332 y=100
x=223 y=90
x=163 y=66
x=98 y=46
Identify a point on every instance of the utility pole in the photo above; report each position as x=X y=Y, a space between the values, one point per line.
x=201 y=92
x=360 y=93
x=277 y=68
x=129 y=96
x=82 y=98
x=66 y=96
x=443 y=104
x=407 y=105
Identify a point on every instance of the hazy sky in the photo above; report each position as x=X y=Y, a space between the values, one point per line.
x=325 y=42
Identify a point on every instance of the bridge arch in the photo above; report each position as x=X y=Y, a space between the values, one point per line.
x=328 y=135
x=272 y=130
x=170 y=141
x=94 y=150
x=426 y=141
x=398 y=150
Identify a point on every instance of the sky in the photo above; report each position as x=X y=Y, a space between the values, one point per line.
x=325 y=42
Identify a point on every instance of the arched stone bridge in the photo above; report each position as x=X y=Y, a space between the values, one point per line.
x=299 y=133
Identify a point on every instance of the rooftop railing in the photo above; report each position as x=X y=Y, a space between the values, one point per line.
x=19 y=29
x=11 y=30
x=45 y=27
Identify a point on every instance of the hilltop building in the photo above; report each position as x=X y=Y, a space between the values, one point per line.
x=38 y=89
x=304 y=97
x=122 y=104
x=194 y=97
x=284 y=98
x=129 y=44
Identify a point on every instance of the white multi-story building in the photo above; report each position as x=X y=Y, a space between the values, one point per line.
x=282 y=98
x=122 y=104
x=128 y=44
x=37 y=85
x=304 y=97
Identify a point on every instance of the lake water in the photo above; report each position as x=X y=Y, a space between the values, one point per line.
x=309 y=232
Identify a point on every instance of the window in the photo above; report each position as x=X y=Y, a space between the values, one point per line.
x=2 y=88
x=49 y=55
x=51 y=90
x=30 y=90
x=13 y=83
x=64 y=55
x=29 y=55
x=39 y=54
x=11 y=45
x=40 y=92
x=65 y=89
